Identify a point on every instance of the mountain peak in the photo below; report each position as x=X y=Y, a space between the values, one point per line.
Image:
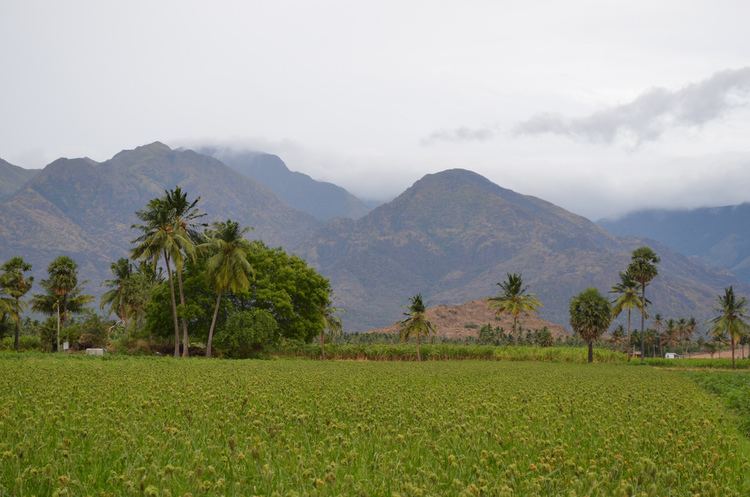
x=156 y=146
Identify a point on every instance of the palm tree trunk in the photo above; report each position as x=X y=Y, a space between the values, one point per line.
x=419 y=356
x=591 y=351
x=174 y=307
x=322 y=344
x=731 y=337
x=17 y=341
x=185 y=340
x=213 y=325
x=643 y=320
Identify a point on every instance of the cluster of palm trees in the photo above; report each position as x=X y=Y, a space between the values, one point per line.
x=731 y=321
x=171 y=233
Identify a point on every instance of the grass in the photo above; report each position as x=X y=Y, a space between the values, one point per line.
x=694 y=363
x=431 y=352
x=166 y=427
x=733 y=387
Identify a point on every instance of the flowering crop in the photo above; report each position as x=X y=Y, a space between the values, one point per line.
x=164 y=427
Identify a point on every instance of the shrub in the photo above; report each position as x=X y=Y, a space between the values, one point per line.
x=247 y=333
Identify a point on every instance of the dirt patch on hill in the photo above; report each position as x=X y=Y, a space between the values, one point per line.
x=465 y=320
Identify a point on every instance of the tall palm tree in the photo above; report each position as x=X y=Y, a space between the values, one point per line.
x=731 y=319
x=227 y=268
x=643 y=269
x=64 y=294
x=331 y=324
x=116 y=297
x=185 y=218
x=514 y=300
x=416 y=322
x=627 y=297
x=688 y=331
x=590 y=316
x=16 y=284
x=162 y=238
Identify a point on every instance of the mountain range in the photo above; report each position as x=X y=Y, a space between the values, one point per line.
x=719 y=236
x=322 y=200
x=13 y=177
x=451 y=236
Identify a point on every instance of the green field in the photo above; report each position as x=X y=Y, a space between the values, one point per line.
x=157 y=426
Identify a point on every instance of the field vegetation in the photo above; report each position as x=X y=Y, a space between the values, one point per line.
x=157 y=427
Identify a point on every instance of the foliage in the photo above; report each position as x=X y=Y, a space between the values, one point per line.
x=124 y=426
x=247 y=334
x=731 y=320
x=590 y=315
x=514 y=299
x=733 y=388
x=416 y=323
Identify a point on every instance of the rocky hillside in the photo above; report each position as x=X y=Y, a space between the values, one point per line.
x=322 y=200
x=453 y=235
x=464 y=321
x=717 y=235
x=12 y=178
x=85 y=209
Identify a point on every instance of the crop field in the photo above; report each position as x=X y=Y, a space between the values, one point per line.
x=165 y=427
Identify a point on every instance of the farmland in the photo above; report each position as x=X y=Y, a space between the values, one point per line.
x=164 y=427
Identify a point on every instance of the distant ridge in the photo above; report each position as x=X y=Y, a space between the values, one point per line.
x=322 y=200
x=720 y=236
x=12 y=178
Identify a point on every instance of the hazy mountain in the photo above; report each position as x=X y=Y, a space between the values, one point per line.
x=454 y=234
x=85 y=209
x=13 y=177
x=320 y=199
x=718 y=235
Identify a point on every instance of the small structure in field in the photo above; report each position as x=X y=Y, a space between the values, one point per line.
x=94 y=351
x=671 y=355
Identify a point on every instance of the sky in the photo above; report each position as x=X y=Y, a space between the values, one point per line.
x=601 y=107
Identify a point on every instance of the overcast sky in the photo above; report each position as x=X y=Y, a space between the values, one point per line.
x=598 y=106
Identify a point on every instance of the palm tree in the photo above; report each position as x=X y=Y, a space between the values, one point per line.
x=731 y=319
x=16 y=284
x=227 y=268
x=162 y=238
x=688 y=332
x=590 y=316
x=331 y=324
x=513 y=299
x=627 y=298
x=643 y=270
x=116 y=297
x=416 y=322
x=184 y=216
x=64 y=293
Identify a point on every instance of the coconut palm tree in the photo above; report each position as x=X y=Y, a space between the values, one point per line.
x=227 y=268
x=64 y=294
x=331 y=324
x=643 y=269
x=416 y=322
x=160 y=238
x=590 y=316
x=627 y=298
x=16 y=284
x=185 y=217
x=513 y=299
x=731 y=319
x=116 y=297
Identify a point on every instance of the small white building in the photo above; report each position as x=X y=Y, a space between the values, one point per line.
x=671 y=355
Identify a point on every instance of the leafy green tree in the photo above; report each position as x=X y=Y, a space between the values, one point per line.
x=64 y=295
x=590 y=316
x=416 y=322
x=161 y=237
x=618 y=337
x=331 y=324
x=247 y=333
x=16 y=284
x=627 y=298
x=116 y=297
x=731 y=319
x=643 y=269
x=227 y=268
x=514 y=299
